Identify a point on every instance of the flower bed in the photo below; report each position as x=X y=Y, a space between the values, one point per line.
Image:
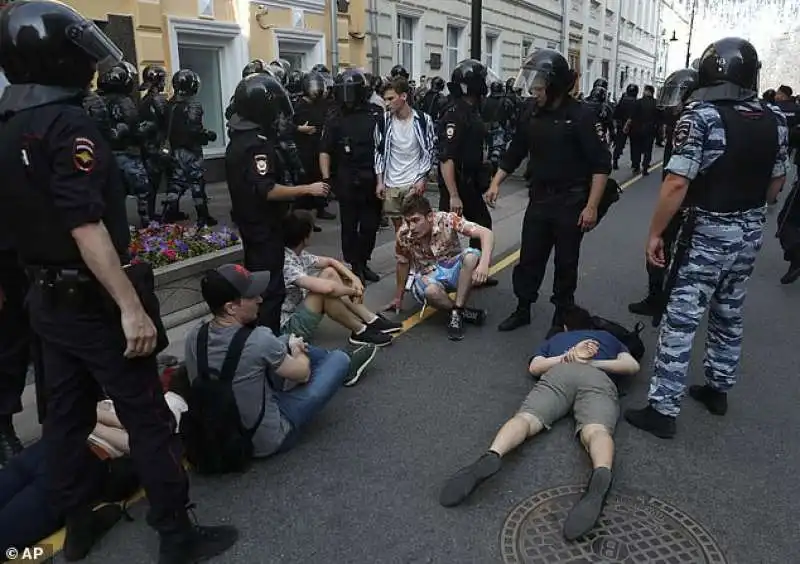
x=162 y=245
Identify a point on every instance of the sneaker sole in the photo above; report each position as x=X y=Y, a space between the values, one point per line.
x=353 y=341
x=456 y=337
x=361 y=369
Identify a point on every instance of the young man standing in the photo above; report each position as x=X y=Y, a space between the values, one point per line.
x=575 y=370
x=429 y=241
x=319 y=286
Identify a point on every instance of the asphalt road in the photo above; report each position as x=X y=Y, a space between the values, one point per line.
x=362 y=487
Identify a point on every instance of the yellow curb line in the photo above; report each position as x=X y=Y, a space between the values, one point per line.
x=55 y=542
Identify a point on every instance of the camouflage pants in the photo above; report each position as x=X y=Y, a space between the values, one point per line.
x=187 y=174
x=137 y=182
x=713 y=277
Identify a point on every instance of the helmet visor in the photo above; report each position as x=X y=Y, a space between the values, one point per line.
x=347 y=93
x=671 y=95
x=88 y=37
x=315 y=85
x=531 y=82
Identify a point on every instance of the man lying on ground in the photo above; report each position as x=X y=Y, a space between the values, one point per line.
x=577 y=369
x=428 y=242
x=318 y=286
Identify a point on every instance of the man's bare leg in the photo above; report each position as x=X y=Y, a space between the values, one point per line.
x=600 y=445
x=515 y=431
x=468 y=264
x=436 y=296
x=336 y=310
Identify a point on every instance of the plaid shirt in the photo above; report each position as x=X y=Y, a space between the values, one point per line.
x=426 y=138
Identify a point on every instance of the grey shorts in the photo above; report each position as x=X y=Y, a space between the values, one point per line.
x=394 y=199
x=587 y=391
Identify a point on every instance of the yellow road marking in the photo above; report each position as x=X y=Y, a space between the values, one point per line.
x=56 y=540
x=502 y=264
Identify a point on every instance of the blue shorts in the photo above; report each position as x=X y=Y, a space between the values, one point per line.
x=445 y=274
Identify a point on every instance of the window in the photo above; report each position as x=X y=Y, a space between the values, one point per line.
x=491 y=46
x=295 y=58
x=205 y=61
x=604 y=69
x=453 y=44
x=527 y=44
x=405 y=43
x=206 y=8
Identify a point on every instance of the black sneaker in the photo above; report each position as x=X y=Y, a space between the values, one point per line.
x=474 y=316
x=370 y=275
x=716 y=402
x=85 y=528
x=792 y=274
x=360 y=358
x=520 y=317
x=455 y=329
x=370 y=336
x=196 y=544
x=384 y=325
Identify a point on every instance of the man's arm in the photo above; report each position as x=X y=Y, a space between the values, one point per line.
x=340 y=268
x=324 y=287
x=541 y=364
x=485 y=235
x=624 y=365
x=380 y=163
x=296 y=368
x=428 y=149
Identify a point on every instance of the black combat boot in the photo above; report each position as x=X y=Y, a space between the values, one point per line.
x=172 y=213
x=648 y=306
x=84 y=528
x=521 y=316
x=184 y=542
x=794 y=267
x=650 y=420
x=204 y=218
x=370 y=275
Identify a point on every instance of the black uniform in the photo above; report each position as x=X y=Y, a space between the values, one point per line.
x=622 y=112
x=311 y=109
x=789 y=216
x=153 y=108
x=462 y=138
x=644 y=121
x=565 y=147
x=349 y=138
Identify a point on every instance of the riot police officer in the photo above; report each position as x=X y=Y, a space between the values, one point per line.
x=677 y=87
x=729 y=159
x=294 y=85
x=568 y=167
x=259 y=202
x=63 y=200
x=187 y=137
x=597 y=101
x=464 y=172
x=434 y=102
x=622 y=113
x=94 y=105
x=497 y=112
x=789 y=217
x=348 y=142
x=128 y=134
x=153 y=108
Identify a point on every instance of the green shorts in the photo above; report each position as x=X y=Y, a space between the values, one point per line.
x=393 y=201
x=302 y=323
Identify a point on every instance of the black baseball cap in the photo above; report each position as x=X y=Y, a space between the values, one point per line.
x=231 y=282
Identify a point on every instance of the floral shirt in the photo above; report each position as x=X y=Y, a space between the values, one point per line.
x=442 y=246
x=295 y=266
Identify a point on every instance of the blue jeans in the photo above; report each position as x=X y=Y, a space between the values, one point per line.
x=26 y=513
x=301 y=405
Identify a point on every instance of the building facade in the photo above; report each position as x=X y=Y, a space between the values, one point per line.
x=613 y=39
x=673 y=41
x=216 y=39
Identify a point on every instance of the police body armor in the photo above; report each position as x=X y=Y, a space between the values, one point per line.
x=96 y=107
x=153 y=108
x=738 y=180
x=187 y=131
x=126 y=128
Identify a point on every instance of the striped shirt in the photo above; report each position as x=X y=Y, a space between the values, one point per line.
x=426 y=139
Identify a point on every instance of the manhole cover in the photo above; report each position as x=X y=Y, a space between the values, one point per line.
x=634 y=528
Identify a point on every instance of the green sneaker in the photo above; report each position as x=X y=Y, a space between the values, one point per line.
x=360 y=358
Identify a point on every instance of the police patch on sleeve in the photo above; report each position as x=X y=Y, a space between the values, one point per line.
x=450 y=131
x=682 y=133
x=83 y=154
x=598 y=128
x=262 y=165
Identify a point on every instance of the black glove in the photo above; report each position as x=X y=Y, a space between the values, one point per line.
x=211 y=136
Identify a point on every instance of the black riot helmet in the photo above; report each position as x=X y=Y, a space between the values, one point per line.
x=598 y=94
x=351 y=88
x=253 y=67
x=119 y=79
x=548 y=69
x=602 y=83
x=315 y=86
x=320 y=68
x=294 y=82
x=496 y=87
x=399 y=70
x=154 y=76
x=769 y=95
x=468 y=79
x=377 y=84
x=260 y=98
x=677 y=87
x=185 y=83
x=278 y=71
x=632 y=90
x=728 y=70
x=437 y=84
x=49 y=43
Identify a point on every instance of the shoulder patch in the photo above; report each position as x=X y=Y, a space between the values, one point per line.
x=682 y=133
x=601 y=134
x=261 y=164
x=83 y=154
x=450 y=130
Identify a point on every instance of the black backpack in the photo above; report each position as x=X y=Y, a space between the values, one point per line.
x=630 y=339
x=216 y=442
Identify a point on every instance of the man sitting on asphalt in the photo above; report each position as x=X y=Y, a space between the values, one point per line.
x=317 y=286
x=429 y=241
x=577 y=368
x=233 y=294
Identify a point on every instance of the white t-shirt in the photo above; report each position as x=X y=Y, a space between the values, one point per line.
x=402 y=167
